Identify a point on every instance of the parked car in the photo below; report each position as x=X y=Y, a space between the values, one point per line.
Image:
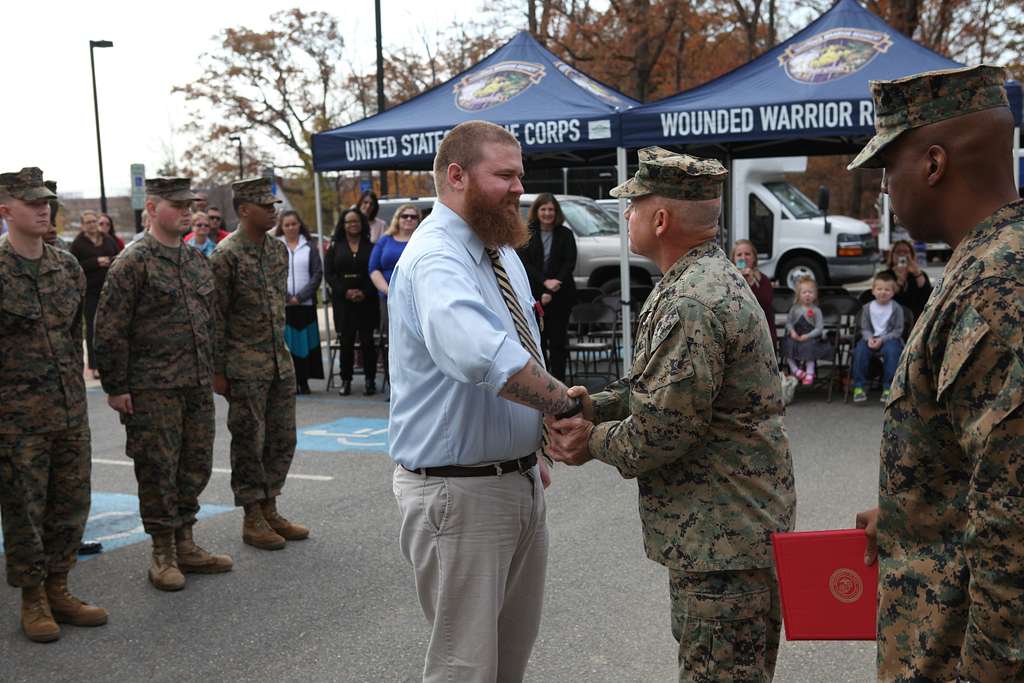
x=597 y=239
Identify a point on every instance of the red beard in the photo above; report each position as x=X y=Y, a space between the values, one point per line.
x=495 y=225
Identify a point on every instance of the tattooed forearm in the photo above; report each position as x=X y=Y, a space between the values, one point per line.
x=535 y=388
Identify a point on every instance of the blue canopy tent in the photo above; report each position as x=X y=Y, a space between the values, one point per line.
x=808 y=95
x=553 y=109
x=559 y=115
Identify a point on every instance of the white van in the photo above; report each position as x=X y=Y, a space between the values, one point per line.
x=794 y=237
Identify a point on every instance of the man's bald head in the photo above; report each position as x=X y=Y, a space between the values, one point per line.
x=934 y=172
x=663 y=229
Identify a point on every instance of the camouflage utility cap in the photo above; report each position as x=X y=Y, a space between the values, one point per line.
x=676 y=176
x=171 y=189
x=926 y=98
x=26 y=185
x=254 y=191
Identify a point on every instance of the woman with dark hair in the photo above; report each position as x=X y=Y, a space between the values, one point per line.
x=354 y=297
x=106 y=224
x=305 y=271
x=369 y=206
x=95 y=251
x=550 y=258
x=912 y=284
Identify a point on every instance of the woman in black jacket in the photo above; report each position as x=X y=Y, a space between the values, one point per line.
x=550 y=258
x=95 y=251
x=354 y=297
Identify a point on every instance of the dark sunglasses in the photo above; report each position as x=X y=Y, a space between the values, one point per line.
x=410 y=216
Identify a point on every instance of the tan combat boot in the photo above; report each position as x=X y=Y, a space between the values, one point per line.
x=67 y=609
x=195 y=559
x=36 y=619
x=164 y=572
x=256 y=532
x=289 y=530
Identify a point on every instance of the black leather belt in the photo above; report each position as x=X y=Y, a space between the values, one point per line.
x=496 y=470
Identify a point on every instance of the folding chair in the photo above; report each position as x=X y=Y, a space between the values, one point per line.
x=593 y=341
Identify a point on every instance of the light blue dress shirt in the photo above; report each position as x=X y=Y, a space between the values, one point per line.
x=453 y=346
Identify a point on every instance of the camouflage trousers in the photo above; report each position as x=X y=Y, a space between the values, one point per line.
x=44 y=501
x=170 y=440
x=727 y=625
x=261 y=419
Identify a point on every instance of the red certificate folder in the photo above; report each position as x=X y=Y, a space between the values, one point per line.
x=827 y=592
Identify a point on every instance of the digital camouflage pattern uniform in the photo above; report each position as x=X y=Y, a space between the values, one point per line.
x=45 y=453
x=154 y=341
x=251 y=281
x=698 y=423
x=951 y=495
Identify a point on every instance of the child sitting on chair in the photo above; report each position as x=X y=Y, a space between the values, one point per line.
x=805 y=341
x=881 y=325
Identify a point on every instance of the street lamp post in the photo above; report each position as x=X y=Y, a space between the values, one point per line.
x=238 y=141
x=96 y=110
x=381 y=102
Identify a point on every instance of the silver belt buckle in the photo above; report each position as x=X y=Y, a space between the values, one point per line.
x=497 y=468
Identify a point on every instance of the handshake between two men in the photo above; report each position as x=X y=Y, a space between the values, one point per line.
x=569 y=433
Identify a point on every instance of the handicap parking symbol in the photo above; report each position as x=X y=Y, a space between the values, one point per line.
x=346 y=435
x=114 y=520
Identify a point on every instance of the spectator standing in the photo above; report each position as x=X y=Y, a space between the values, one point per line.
x=881 y=325
x=95 y=251
x=387 y=251
x=305 y=272
x=106 y=223
x=200 y=235
x=356 y=305
x=550 y=259
x=369 y=205
x=744 y=255
x=805 y=340
x=217 y=231
x=912 y=284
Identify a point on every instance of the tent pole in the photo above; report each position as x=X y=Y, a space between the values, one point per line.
x=320 y=246
x=1016 y=157
x=627 y=329
x=885 y=240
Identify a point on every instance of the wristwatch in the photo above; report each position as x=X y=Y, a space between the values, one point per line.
x=576 y=409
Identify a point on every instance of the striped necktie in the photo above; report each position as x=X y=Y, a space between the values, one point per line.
x=522 y=328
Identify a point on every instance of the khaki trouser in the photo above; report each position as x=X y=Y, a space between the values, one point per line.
x=478 y=547
x=727 y=624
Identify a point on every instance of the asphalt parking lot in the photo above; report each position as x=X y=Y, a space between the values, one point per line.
x=341 y=606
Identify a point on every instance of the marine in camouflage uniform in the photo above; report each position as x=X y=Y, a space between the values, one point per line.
x=154 y=346
x=251 y=271
x=698 y=423
x=45 y=454
x=950 y=524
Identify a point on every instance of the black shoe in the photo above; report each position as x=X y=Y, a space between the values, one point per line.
x=346 y=387
x=304 y=388
x=371 y=388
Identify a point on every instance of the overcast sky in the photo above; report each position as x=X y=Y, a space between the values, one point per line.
x=47 y=114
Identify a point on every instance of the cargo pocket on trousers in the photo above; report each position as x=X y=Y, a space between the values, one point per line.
x=732 y=635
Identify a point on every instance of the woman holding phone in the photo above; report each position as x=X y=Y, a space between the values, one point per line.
x=744 y=255
x=912 y=285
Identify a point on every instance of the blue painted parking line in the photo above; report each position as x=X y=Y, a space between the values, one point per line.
x=346 y=435
x=114 y=520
